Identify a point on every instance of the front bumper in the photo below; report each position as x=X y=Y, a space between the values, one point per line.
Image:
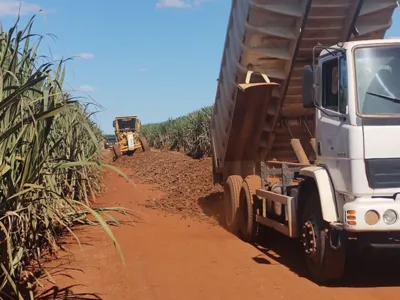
x=354 y=215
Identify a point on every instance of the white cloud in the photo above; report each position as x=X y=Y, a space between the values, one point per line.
x=14 y=7
x=84 y=55
x=198 y=2
x=85 y=89
x=143 y=70
x=179 y=3
x=173 y=3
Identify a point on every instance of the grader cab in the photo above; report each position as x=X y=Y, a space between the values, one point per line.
x=128 y=139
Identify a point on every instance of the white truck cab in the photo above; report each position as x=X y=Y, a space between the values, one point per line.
x=355 y=89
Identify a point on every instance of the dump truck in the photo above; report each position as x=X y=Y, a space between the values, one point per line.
x=305 y=126
x=127 y=134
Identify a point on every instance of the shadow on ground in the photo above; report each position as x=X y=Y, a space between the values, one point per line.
x=363 y=269
x=54 y=292
x=60 y=266
x=62 y=269
x=66 y=293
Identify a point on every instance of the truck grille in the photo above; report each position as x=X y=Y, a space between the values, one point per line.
x=383 y=173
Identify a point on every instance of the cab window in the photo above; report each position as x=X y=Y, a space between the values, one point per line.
x=334 y=96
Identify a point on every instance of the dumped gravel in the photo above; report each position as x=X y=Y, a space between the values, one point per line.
x=187 y=182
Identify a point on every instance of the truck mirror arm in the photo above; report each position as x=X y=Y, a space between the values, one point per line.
x=320 y=108
x=341 y=117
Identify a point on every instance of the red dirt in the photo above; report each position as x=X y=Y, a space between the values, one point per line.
x=168 y=257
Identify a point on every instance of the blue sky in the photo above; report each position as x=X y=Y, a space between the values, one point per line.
x=137 y=57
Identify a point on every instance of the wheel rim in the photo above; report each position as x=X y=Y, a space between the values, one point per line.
x=310 y=238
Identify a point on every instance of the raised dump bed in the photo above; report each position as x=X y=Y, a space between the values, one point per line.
x=259 y=116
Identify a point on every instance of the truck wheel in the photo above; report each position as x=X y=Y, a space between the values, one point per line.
x=324 y=263
x=248 y=208
x=117 y=151
x=231 y=201
x=145 y=145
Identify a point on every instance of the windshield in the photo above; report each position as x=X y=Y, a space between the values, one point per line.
x=378 y=80
x=126 y=124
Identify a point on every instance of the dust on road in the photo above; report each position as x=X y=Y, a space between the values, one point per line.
x=180 y=250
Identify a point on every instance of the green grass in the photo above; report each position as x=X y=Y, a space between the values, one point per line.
x=189 y=134
x=50 y=159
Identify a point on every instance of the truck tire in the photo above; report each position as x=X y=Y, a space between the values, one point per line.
x=144 y=144
x=324 y=263
x=232 y=188
x=116 y=151
x=248 y=207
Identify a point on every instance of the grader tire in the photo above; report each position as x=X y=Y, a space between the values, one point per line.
x=231 y=202
x=116 y=151
x=145 y=145
x=249 y=228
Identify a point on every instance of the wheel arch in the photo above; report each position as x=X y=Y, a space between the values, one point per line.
x=318 y=178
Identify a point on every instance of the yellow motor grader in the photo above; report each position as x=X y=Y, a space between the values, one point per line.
x=128 y=139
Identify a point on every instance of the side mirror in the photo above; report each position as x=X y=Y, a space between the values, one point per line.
x=308 y=87
x=114 y=124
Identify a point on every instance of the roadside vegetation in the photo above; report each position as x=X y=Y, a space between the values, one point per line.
x=50 y=160
x=189 y=134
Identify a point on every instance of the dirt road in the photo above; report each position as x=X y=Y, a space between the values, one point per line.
x=181 y=250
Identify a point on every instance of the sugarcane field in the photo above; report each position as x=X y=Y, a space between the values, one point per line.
x=200 y=149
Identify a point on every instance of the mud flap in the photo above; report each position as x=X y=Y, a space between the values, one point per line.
x=335 y=238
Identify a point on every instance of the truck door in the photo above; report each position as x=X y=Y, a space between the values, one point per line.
x=332 y=122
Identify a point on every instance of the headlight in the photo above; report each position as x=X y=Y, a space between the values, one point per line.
x=389 y=217
x=371 y=217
